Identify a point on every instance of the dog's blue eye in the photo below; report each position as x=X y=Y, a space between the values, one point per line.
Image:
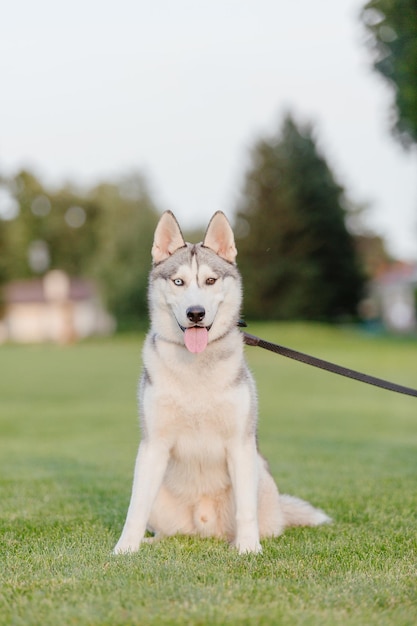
x=210 y=281
x=178 y=281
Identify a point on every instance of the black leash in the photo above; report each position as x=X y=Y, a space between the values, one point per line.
x=251 y=340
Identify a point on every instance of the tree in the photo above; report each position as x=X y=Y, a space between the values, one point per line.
x=103 y=233
x=126 y=230
x=297 y=258
x=51 y=229
x=374 y=256
x=392 y=26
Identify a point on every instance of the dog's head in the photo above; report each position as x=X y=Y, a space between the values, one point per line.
x=195 y=289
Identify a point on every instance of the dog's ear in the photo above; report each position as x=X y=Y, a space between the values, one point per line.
x=219 y=237
x=168 y=237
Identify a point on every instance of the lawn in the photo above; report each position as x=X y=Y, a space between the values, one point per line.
x=68 y=439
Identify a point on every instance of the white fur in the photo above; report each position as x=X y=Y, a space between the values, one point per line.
x=198 y=470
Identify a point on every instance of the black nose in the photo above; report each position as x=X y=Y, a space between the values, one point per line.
x=195 y=314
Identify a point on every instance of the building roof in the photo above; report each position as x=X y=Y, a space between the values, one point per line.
x=398 y=273
x=33 y=290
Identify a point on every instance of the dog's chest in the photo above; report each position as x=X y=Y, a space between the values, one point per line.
x=192 y=412
x=174 y=370
x=196 y=401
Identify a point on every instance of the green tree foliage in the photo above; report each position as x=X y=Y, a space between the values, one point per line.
x=297 y=258
x=126 y=231
x=103 y=233
x=51 y=230
x=4 y=253
x=392 y=26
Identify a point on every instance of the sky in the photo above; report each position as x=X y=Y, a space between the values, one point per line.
x=181 y=89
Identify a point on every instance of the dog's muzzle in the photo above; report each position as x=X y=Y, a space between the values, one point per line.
x=195 y=335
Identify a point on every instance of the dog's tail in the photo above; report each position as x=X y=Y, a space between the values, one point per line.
x=298 y=512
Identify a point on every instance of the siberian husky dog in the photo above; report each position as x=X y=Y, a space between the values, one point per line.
x=198 y=470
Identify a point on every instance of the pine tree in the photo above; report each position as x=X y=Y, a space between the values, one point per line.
x=297 y=258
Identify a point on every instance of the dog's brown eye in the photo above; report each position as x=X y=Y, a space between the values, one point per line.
x=178 y=282
x=210 y=281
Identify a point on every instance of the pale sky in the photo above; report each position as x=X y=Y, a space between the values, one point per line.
x=180 y=89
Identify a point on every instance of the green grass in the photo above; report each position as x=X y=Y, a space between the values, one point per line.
x=68 y=439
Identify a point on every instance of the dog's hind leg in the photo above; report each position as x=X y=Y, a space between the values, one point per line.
x=170 y=515
x=270 y=515
x=277 y=512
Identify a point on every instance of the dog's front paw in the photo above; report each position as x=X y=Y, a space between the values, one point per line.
x=248 y=545
x=126 y=547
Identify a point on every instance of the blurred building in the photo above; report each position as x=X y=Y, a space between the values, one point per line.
x=394 y=294
x=55 y=309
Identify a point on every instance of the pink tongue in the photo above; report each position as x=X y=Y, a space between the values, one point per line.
x=196 y=339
